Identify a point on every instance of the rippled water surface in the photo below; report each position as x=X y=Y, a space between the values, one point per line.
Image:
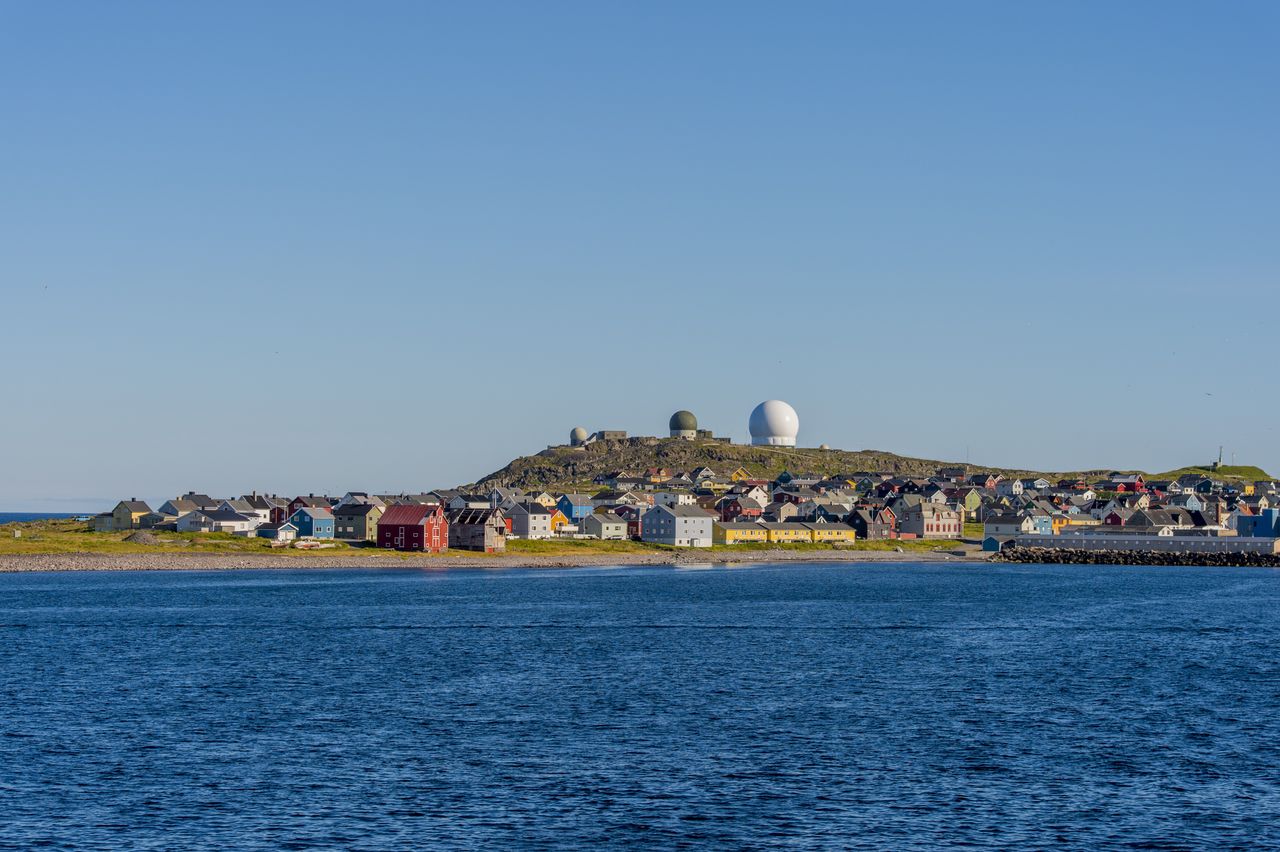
x=875 y=706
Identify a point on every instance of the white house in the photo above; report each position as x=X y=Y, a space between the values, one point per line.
x=1009 y=487
x=681 y=526
x=216 y=520
x=247 y=509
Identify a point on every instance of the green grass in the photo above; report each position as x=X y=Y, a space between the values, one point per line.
x=1233 y=472
x=62 y=536
x=579 y=546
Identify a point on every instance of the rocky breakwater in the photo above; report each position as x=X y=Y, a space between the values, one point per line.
x=1071 y=556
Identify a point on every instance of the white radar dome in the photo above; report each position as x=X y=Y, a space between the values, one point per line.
x=774 y=424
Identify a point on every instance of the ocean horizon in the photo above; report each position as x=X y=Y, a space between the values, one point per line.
x=27 y=517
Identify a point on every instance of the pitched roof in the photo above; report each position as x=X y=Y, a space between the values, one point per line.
x=409 y=514
x=354 y=509
x=223 y=515
x=684 y=511
x=473 y=517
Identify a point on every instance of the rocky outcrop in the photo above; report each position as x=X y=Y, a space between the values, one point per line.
x=1071 y=556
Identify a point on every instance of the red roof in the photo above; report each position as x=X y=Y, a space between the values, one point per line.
x=409 y=515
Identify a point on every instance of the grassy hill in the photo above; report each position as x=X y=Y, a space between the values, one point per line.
x=566 y=467
x=561 y=467
x=1228 y=472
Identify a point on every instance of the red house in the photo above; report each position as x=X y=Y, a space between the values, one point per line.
x=414 y=527
x=632 y=515
x=739 y=507
x=311 y=501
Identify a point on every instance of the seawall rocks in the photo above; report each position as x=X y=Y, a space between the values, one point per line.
x=1072 y=556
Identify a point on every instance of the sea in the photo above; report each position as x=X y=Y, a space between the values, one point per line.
x=867 y=706
x=26 y=517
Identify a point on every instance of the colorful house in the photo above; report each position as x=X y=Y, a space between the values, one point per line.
x=313 y=522
x=738 y=532
x=575 y=506
x=787 y=533
x=557 y=521
x=830 y=533
x=414 y=527
x=357 y=521
x=310 y=501
x=127 y=514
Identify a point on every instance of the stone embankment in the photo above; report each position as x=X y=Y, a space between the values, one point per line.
x=1070 y=556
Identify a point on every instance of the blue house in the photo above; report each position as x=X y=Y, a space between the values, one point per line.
x=575 y=506
x=1265 y=524
x=1044 y=524
x=313 y=522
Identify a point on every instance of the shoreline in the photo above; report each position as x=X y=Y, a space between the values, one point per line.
x=61 y=562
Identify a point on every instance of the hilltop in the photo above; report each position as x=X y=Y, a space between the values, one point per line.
x=566 y=467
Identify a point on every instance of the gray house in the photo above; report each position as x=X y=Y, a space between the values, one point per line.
x=478 y=529
x=681 y=526
x=530 y=520
x=606 y=526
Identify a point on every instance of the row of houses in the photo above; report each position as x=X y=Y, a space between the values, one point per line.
x=406 y=524
x=702 y=507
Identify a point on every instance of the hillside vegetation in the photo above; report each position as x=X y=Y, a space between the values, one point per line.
x=574 y=467
x=1229 y=472
x=559 y=467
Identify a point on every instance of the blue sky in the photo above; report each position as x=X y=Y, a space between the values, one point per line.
x=324 y=246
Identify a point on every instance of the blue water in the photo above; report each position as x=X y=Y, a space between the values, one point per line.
x=862 y=707
x=24 y=517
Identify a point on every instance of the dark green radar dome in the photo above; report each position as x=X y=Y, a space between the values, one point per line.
x=684 y=421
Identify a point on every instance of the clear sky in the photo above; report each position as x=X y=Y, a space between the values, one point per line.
x=321 y=246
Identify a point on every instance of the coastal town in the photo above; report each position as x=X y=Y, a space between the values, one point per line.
x=705 y=507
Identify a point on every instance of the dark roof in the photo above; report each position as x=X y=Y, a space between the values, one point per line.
x=685 y=511
x=354 y=509
x=473 y=517
x=222 y=515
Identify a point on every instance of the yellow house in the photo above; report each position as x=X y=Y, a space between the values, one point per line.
x=558 y=520
x=740 y=475
x=832 y=533
x=1249 y=489
x=127 y=513
x=788 y=533
x=737 y=533
x=1078 y=520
